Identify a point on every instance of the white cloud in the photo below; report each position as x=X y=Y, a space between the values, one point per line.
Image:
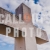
x=8 y=40
x=45 y=2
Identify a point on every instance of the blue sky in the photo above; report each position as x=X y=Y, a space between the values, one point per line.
x=6 y=47
x=6 y=43
x=36 y=1
x=39 y=7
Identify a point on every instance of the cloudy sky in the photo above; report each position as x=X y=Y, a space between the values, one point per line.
x=39 y=8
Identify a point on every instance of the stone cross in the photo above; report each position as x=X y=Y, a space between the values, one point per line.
x=23 y=43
